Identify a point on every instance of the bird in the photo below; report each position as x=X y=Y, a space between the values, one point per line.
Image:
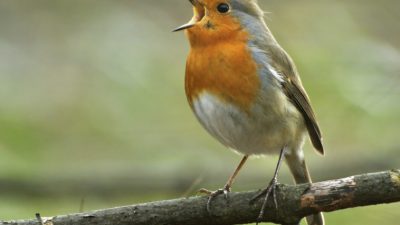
x=245 y=90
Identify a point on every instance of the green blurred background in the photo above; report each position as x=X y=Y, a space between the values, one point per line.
x=93 y=112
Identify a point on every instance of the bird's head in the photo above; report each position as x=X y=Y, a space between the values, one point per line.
x=221 y=20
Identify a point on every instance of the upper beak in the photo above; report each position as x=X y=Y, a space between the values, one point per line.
x=198 y=14
x=184 y=26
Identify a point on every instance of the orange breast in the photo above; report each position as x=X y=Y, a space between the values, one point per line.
x=226 y=70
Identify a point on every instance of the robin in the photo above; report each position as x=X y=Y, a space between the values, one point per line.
x=246 y=92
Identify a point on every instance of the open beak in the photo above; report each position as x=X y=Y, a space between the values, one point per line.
x=198 y=14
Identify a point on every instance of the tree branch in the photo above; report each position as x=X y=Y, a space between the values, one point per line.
x=294 y=203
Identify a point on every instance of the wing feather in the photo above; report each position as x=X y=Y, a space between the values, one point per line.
x=296 y=93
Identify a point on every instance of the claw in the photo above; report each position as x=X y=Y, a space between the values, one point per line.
x=271 y=189
x=213 y=194
x=205 y=191
x=226 y=194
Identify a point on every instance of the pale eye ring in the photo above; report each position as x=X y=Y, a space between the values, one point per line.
x=223 y=8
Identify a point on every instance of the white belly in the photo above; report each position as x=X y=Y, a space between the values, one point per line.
x=265 y=130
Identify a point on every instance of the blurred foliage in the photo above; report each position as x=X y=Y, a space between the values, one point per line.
x=92 y=104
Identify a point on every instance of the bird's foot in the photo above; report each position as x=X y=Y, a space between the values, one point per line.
x=213 y=194
x=271 y=189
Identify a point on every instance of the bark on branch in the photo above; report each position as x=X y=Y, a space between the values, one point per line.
x=294 y=203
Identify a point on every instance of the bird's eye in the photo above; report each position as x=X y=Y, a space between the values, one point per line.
x=223 y=8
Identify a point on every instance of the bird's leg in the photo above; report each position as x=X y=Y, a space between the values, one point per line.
x=226 y=189
x=270 y=188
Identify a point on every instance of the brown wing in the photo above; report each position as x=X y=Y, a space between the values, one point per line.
x=295 y=92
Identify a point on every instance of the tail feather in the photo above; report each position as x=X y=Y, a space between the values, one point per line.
x=298 y=168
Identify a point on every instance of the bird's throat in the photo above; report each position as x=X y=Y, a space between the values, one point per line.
x=225 y=69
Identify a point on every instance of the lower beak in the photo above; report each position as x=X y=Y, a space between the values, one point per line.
x=198 y=14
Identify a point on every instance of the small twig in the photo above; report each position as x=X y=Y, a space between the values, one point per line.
x=39 y=218
x=192 y=187
x=82 y=205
